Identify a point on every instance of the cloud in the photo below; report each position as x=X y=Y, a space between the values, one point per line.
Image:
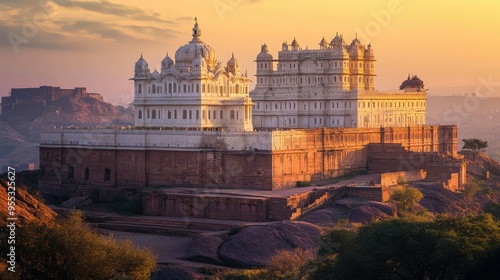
x=57 y=26
x=119 y=10
x=16 y=40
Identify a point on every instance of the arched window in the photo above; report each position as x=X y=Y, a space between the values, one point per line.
x=197 y=114
x=184 y=114
x=221 y=115
x=169 y=115
x=153 y=114
x=154 y=89
x=175 y=88
x=139 y=114
x=215 y=114
x=175 y=114
x=139 y=88
x=237 y=89
x=231 y=115
x=148 y=113
x=203 y=88
x=190 y=114
x=169 y=88
x=197 y=88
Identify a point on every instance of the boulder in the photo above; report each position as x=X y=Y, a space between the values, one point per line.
x=77 y=202
x=204 y=249
x=325 y=217
x=254 y=246
x=371 y=211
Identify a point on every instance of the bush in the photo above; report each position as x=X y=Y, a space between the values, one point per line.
x=471 y=189
x=406 y=198
x=69 y=249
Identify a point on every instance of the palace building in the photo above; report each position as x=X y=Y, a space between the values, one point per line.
x=196 y=91
x=314 y=114
x=332 y=86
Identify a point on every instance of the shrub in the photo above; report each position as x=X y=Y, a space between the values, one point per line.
x=301 y=184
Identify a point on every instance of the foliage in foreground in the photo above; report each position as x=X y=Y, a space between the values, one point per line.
x=410 y=248
x=71 y=250
x=446 y=248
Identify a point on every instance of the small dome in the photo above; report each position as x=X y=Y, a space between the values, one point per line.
x=369 y=53
x=412 y=83
x=141 y=63
x=264 y=53
x=199 y=62
x=232 y=62
x=167 y=62
x=337 y=41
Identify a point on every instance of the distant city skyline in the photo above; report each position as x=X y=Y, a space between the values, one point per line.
x=94 y=44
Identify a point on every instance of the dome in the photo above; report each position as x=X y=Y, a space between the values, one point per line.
x=141 y=63
x=413 y=83
x=337 y=41
x=232 y=62
x=167 y=62
x=369 y=53
x=199 y=62
x=264 y=53
x=186 y=54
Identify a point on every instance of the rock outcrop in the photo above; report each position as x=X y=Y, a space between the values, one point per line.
x=254 y=246
x=353 y=209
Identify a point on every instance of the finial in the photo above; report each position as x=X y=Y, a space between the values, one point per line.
x=232 y=55
x=356 y=35
x=141 y=54
x=337 y=34
x=196 y=19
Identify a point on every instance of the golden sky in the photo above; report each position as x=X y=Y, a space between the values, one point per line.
x=95 y=43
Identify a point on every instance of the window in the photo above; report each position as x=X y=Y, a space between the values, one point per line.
x=139 y=114
x=169 y=88
x=215 y=115
x=221 y=115
x=190 y=114
x=107 y=174
x=197 y=114
x=184 y=114
x=139 y=89
x=231 y=115
x=175 y=114
x=169 y=115
x=197 y=88
x=175 y=87
x=203 y=88
x=148 y=114
x=87 y=173
x=71 y=172
x=154 y=89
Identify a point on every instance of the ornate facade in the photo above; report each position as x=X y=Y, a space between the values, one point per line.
x=196 y=91
x=332 y=86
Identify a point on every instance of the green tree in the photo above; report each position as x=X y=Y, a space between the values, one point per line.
x=476 y=145
x=71 y=250
x=447 y=248
x=406 y=198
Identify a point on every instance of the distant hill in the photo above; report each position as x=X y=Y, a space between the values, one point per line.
x=476 y=117
x=20 y=138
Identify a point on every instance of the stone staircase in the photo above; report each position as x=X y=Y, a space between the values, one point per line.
x=310 y=201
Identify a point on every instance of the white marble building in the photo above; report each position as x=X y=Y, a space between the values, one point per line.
x=196 y=91
x=332 y=86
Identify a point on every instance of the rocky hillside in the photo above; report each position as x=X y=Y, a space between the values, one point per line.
x=20 y=138
x=28 y=208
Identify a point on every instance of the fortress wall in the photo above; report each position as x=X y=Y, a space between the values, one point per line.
x=264 y=160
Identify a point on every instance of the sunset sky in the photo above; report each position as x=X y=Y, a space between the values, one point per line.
x=95 y=43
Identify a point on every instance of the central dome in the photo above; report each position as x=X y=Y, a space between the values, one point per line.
x=186 y=54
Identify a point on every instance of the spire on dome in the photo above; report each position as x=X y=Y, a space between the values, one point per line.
x=196 y=31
